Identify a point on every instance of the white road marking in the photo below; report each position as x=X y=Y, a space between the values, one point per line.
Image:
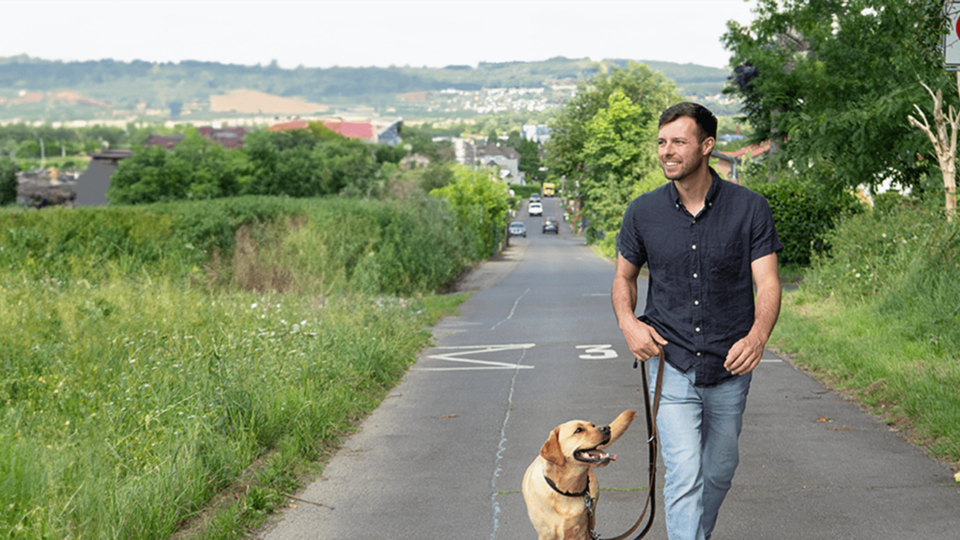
x=597 y=352
x=471 y=350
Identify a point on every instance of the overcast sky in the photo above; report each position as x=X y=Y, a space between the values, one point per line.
x=325 y=33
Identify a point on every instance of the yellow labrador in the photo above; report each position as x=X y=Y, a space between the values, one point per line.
x=560 y=486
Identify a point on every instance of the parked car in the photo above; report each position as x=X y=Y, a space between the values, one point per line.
x=535 y=209
x=517 y=228
x=534 y=197
x=551 y=225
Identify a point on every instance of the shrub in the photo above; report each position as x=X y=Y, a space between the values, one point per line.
x=804 y=212
x=8 y=181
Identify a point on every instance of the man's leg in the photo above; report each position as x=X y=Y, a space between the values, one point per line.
x=678 y=424
x=723 y=407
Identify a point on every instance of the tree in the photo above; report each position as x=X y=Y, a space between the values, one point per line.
x=618 y=154
x=944 y=145
x=8 y=181
x=829 y=83
x=481 y=204
x=195 y=169
x=529 y=151
x=603 y=139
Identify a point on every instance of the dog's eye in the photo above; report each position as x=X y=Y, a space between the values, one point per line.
x=579 y=430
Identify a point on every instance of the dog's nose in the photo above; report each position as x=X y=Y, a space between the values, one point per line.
x=605 y=430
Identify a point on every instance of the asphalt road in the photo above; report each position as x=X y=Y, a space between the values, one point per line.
x=537 y=345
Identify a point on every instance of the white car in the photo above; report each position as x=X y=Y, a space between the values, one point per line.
x=535 y=209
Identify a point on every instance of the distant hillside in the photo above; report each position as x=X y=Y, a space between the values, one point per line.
x=189 y=85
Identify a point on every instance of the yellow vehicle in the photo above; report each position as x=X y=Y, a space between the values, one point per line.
x=548 y=188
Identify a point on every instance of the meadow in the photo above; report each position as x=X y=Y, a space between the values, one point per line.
x=163 y=360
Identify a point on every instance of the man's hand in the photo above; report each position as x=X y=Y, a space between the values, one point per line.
x=643 y=340
x=744 y=355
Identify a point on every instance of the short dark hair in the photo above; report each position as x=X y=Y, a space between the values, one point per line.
x=705 y=119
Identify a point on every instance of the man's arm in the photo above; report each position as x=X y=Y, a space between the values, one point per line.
x=745 y=354
x=641 y=338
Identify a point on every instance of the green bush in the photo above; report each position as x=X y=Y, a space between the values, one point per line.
x=8 y=181
x=804 y=212
x=481 y=204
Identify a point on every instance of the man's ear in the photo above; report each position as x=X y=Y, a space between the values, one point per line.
x=551 y=450
x=708 y=145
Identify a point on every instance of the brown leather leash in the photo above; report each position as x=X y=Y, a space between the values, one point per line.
x=652 y=446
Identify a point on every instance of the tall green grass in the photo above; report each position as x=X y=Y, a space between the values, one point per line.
x=149 y=356
x=880 y=317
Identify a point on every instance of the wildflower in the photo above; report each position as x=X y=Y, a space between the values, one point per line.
x=254 y=306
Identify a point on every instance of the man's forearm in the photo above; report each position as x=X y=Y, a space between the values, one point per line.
x=624 y=298
x=767 y=312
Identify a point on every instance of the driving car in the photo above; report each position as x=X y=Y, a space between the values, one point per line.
x=535 y=209
x=517 y=228
x=551 y=225
x=534 y=197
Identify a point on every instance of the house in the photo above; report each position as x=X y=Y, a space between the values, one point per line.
x=539 y=134
x=226 y=137
x=166 y=141
x=93 y=184
x=290 y=126
x=504 y=157
x=753 y=151
x=374 y=131
x=727 y=163
x=46 y=187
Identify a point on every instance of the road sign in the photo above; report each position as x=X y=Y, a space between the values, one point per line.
x=951 y=41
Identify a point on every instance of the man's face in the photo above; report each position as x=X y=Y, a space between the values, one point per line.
x=679 y=148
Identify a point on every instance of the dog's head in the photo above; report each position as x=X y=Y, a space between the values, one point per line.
x=583 y=442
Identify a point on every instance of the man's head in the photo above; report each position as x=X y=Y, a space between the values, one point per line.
x=687 y=135
x=706 y=121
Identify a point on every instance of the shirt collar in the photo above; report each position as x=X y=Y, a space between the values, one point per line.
x=711 y=193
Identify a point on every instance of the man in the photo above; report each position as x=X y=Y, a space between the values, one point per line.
x=702 y=239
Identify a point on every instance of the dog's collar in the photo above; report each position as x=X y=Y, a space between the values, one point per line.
x=584 y=493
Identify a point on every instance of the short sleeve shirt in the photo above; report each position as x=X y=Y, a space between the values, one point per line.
x=700 y=289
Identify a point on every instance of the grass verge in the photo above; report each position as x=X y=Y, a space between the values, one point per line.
x=858 y=351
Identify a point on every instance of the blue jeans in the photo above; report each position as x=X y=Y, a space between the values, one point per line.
x=698 y=429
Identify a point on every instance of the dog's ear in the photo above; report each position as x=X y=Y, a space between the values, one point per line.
x=551 y=450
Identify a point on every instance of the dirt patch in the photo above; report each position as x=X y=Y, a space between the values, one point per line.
x=255 y=102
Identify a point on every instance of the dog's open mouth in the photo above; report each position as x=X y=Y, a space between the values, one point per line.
x=594 y=456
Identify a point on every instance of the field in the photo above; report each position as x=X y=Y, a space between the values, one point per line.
x=155 y=359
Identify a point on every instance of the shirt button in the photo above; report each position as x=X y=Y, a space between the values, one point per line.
x=696 y=302
x=697 y=329
x=694 y=276
x=699 y=353
x=694 y=246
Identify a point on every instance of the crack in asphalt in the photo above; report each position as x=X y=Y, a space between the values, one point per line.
x=501 y=447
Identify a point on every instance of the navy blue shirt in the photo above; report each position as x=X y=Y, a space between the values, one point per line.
x=700 y=289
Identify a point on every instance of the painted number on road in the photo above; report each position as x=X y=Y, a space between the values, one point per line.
x=597 y=352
